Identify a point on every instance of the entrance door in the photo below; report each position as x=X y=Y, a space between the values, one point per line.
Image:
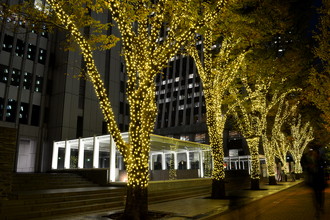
x=26 y=155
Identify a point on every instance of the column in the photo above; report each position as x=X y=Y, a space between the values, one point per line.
x=55 y=156
x=67 y=155
x=188 y=161
x=163 y=161
x=81 y=152
x=96 y=153
x=112 y=167
x=201 y=167
x=175 y=160
x=239 y=163
x=151 y=166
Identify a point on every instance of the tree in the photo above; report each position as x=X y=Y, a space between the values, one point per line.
x=319 y=78
x=140 y=24
x=278 y=138
x=301 y=135
x=217 y=70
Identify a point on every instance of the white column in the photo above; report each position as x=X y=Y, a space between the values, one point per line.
x=67 y=155
x=96 y=153
x=212 y=161
x=81 y=152
x=112 y=169
x=201 y=167
x=239 y=163
x=188 y=161
x=55 y=156
x=163 y=161
x=151 y=166
x=229 y=163
x=175 y=160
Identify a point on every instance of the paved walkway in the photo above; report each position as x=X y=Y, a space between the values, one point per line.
x=204 y=208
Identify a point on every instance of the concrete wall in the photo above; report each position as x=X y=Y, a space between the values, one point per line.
x=7 y=159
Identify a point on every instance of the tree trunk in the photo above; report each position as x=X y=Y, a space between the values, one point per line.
x=255 y=184
x=218 y=189
x=136 y=207
x=253 y=144
x=272 y=180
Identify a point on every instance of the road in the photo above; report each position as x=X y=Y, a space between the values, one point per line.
x=295 y=203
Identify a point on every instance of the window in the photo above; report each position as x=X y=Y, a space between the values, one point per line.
x=82 y=88
x=31 y=53
x=38 y=84
x=44 y=32
x=42 y=56
x=80 y=125
x=200 y=138
x=15 y=77
x=121 y=108
x=104 y=128
x=23 y=113
x=19 y=48
x=184 y=137
x=8 y=43
x=11 y=110
x=4 y=70
x=35 y=119
x=122 y=87
x=27 y=80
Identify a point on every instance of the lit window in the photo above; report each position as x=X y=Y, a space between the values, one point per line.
x=42 y=56
x=38 y=85
x=184 y=137
x=200 y=138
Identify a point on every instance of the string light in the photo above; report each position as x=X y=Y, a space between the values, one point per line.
x=278 y=138
x=301 y=134
x=216 y=73
x=252 y=119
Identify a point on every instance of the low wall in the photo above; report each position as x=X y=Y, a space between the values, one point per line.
x=177 y=184
x=98 y=176
x=180 y=174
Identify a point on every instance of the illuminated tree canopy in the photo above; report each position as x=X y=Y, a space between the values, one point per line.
x=319 y=79
x=301 y=135
x=217 y=71
x=257 y=98
x=278 y=138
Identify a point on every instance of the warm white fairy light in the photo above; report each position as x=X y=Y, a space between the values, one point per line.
x=301 y=134
x=252 y=119
x=278 y=140
x=216 y=73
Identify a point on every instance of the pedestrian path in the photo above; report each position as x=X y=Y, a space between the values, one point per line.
x=202 y=207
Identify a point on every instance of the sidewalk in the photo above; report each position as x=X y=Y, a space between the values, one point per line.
x=202 y=207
